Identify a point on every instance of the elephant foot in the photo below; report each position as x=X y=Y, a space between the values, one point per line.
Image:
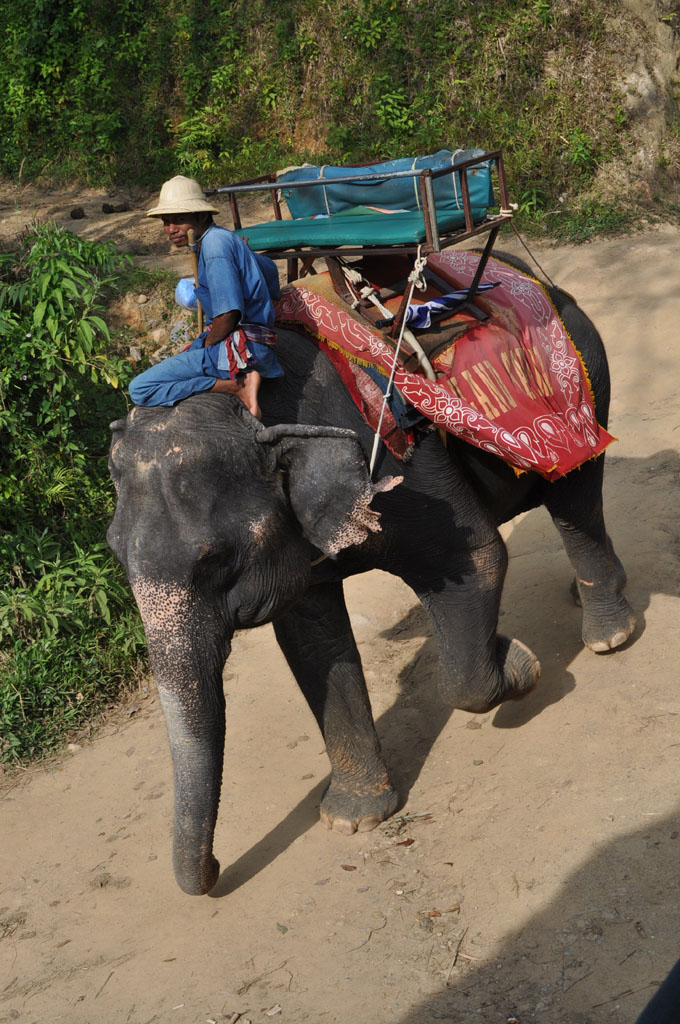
x=350 y=809
x=197 y=879
x=514 y=675
x=607 y=622
x=519 y=666
x=605 y=632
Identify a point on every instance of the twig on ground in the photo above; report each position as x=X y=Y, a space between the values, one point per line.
x=367 y=940
x=253 y=981
x=454 y=961
x=628 y=992
x=582 y=978
x=105 y=983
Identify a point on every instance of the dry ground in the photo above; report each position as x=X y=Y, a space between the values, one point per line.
x=533 y=873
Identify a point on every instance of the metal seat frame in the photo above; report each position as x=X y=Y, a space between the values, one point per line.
x=300 y=260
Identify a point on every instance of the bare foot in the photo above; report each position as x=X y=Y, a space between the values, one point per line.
x=226 y=387
x=249 y=388
x=245 y=387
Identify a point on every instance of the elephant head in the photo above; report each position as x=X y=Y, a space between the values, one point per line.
x=217 y=522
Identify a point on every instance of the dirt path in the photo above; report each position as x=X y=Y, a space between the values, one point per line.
x=533 y=875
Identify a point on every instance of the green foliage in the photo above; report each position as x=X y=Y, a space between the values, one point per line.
x=389 y=77
x=544 y=11
x=530 y=202
x=68 y=633
x=580 y=152
x=589 y=219
x=70 y=75
x=222 y=91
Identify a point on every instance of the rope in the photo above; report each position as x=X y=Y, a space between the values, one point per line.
x=532 y=257
x=354 y=277
x=414 y=276
x=323 y=189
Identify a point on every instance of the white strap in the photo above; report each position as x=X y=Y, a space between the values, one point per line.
x=415 y=184
x=453 y=181
x=325 y=197
x=414 y=276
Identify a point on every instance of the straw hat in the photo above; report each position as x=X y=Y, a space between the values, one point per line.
x=181 y=195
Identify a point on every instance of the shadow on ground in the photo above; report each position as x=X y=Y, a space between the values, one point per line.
x=562 y=960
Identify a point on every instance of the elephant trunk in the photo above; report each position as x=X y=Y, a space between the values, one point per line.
x=188 y=647
x=197 y=755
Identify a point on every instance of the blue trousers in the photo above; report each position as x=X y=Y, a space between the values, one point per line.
x=194 y=371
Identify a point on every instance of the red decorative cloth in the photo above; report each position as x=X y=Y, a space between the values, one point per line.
x=513 y=385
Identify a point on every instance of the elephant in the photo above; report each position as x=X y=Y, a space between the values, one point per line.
x=224 y=522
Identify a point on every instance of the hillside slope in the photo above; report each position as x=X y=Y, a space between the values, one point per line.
x=580 y=94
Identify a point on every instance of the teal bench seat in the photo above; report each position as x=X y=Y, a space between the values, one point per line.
x=349 y=228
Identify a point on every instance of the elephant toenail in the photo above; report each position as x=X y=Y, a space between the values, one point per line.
x=344 y=827
x=368 y=823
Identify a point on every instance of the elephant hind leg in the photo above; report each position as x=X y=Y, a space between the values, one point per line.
x=479 y=668
x=576 y=509
x=608 y=619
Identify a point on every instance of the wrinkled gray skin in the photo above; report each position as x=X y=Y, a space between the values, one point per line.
x=220 y=525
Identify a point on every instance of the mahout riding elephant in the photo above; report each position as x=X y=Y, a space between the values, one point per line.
x=225 y=523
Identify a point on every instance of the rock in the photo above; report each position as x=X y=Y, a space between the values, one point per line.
x=161 y=353
x=77 y=213
x=141 y=299
x=135 y=354
x=180 y=334
x=118 y=208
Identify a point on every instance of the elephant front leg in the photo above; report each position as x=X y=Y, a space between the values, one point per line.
x=317 y=640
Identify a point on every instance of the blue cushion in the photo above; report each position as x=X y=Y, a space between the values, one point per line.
x=394 y=194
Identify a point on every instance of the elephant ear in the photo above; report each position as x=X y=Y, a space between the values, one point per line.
x=328 y=484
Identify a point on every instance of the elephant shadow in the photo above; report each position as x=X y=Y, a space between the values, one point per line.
x=537 y=607
x=597 y=950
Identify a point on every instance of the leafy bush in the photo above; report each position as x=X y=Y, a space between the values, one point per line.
x=390 y=77
x=70 y=75
x=69 y=634
x=222 y=91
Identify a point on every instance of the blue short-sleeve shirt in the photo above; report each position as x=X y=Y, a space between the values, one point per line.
x=231 y=276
